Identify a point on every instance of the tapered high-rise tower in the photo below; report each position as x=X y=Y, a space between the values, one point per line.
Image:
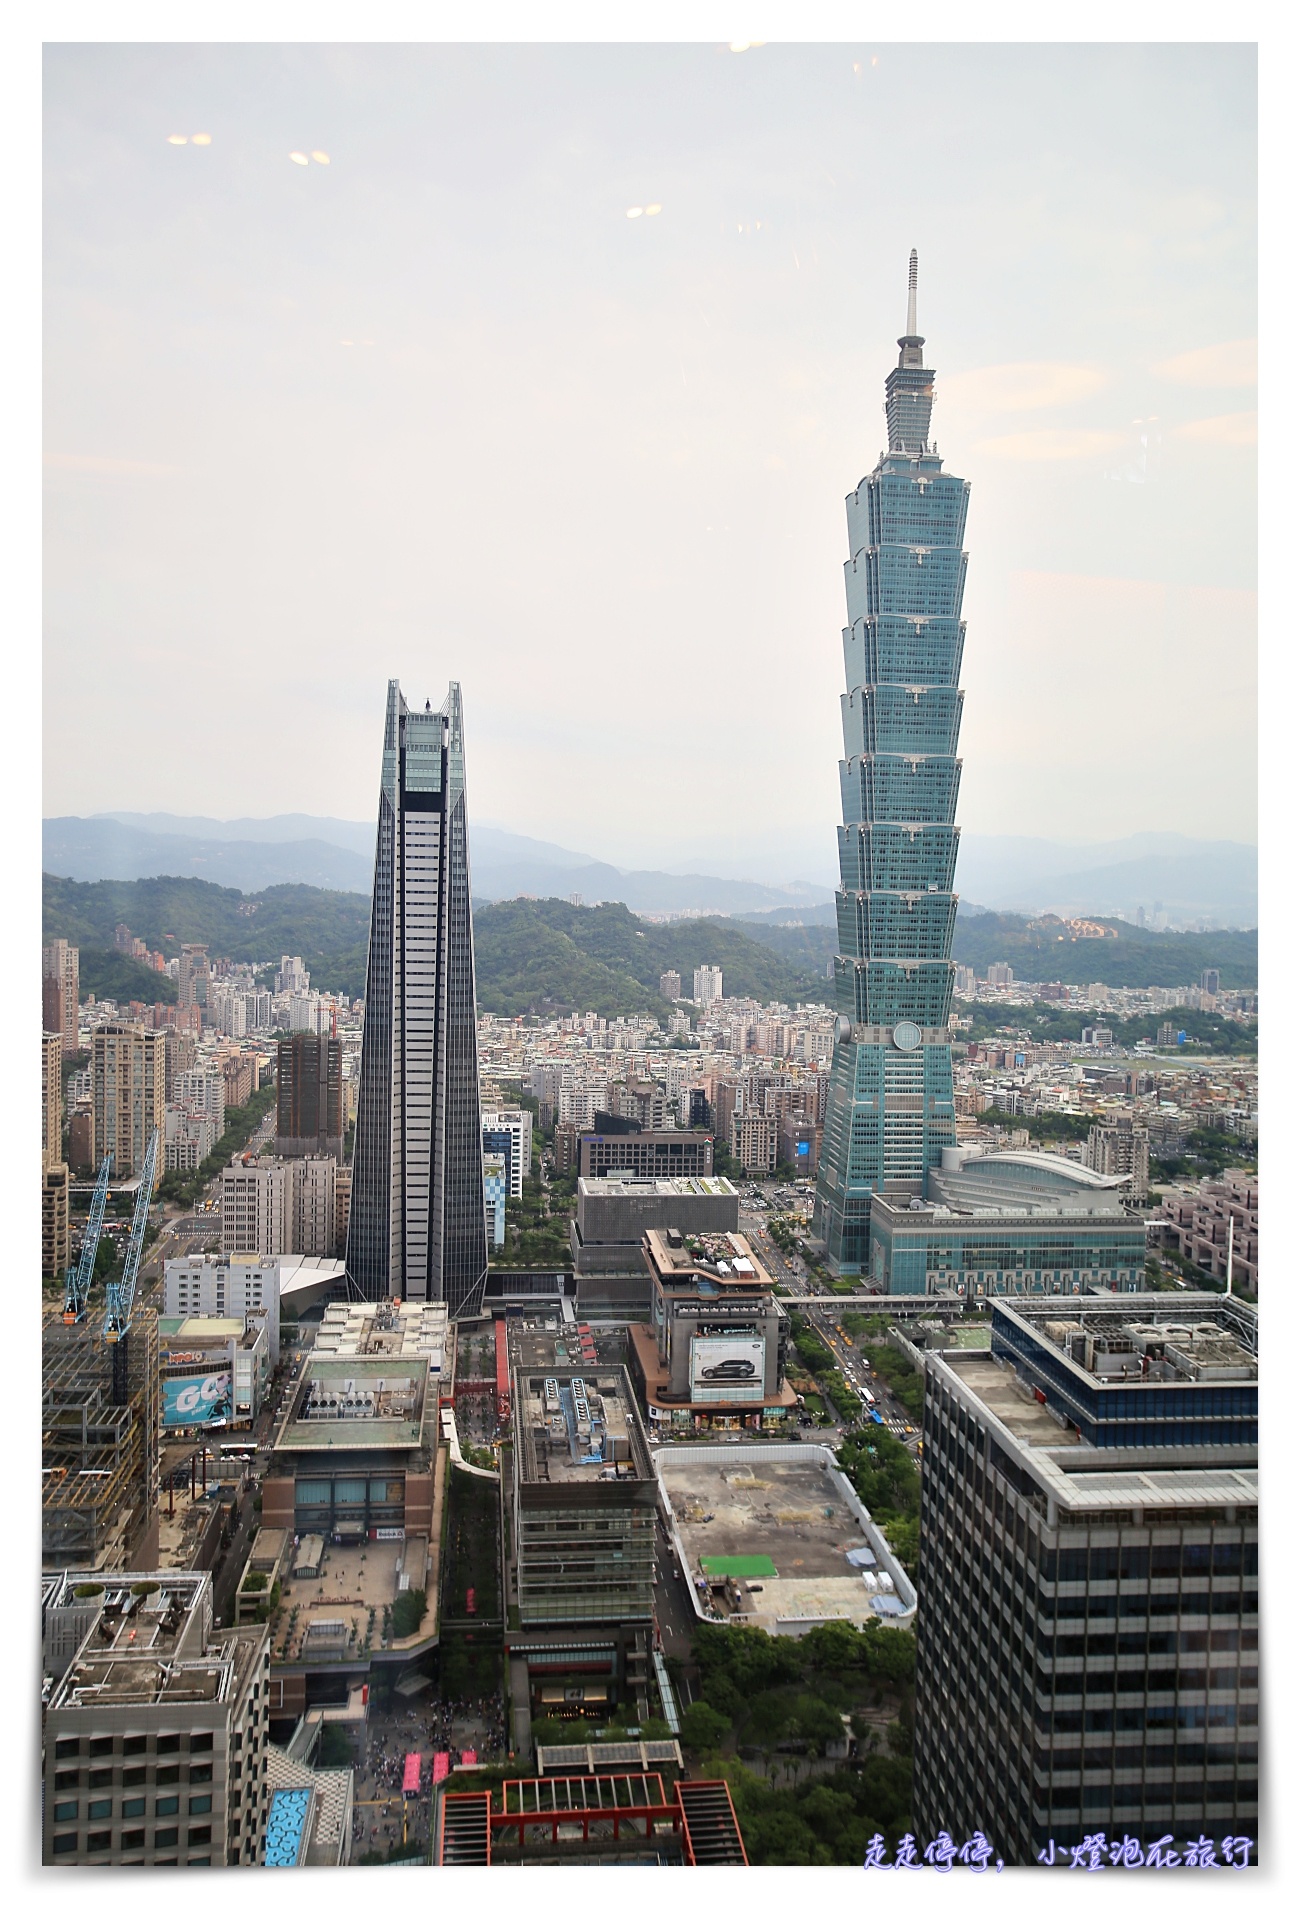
x=416 y=1225
x=890 y=1108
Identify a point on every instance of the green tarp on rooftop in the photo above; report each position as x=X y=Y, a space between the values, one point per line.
x=737 y=1566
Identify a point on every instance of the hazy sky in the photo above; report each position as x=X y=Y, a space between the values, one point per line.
x=440 y=407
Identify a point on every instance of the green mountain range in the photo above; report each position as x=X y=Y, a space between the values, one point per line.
x=544 y=957
x=326 y=927
x=531 y=956
x=547 y=956
x=1040 y=949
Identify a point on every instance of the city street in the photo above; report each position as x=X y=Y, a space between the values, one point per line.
x=673 y=1613
x=183 y=1231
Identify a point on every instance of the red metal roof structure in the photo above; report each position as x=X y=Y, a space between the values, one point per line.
x=465 y=1832
x=709 y=1826
x=503 y=1373
x=700 y=1812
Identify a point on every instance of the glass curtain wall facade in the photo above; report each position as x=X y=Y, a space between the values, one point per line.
x=416 y=1224
x=890 y=1107
x=914 y=1253
x=1088 y=1615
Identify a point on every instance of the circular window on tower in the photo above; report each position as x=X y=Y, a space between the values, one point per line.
x=907 y=1035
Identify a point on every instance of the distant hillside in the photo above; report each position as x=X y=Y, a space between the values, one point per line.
x=1038 y=951
x=531 y=956
x=86 y=849
x=548 y=957
x=109 y=975
x=328 y=929
x=1190 y=879
x=807 y=944
x=323 y=852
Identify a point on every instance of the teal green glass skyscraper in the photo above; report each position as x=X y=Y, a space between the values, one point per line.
x=890 y=1109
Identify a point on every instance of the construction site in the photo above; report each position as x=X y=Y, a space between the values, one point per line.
x=100 y=1458
x=100 y=1407
x=778 y=1538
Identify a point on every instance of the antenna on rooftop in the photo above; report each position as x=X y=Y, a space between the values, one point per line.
x=911 y=295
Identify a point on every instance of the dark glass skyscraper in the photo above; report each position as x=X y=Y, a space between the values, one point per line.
x=309 y=1096
x=416 y=1225
x=890 y=1108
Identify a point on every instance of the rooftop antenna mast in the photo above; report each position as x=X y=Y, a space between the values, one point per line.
x=911 y=295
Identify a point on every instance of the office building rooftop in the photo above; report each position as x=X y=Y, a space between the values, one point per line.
x=717 y=1262
x=1119 y=1406
x=579 y=1429
x=627 y=1188
x=146 y=1643
x=383 y=1330
x=357 y=1403
x=1133 y=1339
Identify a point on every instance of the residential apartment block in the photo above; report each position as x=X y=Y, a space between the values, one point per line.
x=282 y=1205
x=706 y=986
x=1196 y=1224
x=1119 y=1145
x=508 y=1130
x=754 y=1136
x=60 y=992
x=309 y=1096
x=129 y=1087
x=54 y=1171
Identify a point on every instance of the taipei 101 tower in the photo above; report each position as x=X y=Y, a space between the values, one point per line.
x=890 y=1109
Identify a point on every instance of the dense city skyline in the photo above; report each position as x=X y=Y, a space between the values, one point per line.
x=530 y=1377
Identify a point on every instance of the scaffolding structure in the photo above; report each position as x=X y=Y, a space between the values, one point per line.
x=100 y=1459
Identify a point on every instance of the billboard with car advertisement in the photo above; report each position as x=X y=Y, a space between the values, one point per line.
x=195 y=1400
x=727 y=1369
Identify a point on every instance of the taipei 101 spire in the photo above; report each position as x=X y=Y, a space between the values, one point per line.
x=890 y=1110
x=909 y=388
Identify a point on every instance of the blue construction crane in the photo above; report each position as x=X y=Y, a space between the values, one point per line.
x=121 y=1293
x=80 y=1274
